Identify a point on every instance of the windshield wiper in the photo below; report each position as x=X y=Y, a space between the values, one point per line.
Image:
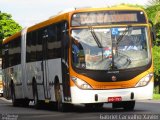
x=95 y=36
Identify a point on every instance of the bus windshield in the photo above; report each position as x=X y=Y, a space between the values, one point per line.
x=110 y=48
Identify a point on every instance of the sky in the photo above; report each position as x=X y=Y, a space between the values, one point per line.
x=30 y=12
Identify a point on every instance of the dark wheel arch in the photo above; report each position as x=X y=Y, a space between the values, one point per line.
x=36 y=101
x=13 y=95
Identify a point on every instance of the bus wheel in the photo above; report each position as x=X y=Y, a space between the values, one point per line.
x=59 y=105
x=1 y=95
x=129 y=105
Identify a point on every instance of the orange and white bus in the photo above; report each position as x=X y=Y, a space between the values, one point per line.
x=85 y=56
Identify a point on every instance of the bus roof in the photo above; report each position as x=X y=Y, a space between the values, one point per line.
x=119 y=7
x=37 y=26
x=11 y=37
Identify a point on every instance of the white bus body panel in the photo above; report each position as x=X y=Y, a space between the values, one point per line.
x=34 y=70
x=13 y=73
x=17 y=79
x=55 y=69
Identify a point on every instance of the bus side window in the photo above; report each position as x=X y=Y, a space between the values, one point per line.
x=39 y=54
x=58 y=42
x=9 y=53
x=28 y=47
x=33 y=46
x=16 y=53
x=51 y=42
x=5 y=61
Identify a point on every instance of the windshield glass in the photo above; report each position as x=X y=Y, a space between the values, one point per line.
x=110 y=48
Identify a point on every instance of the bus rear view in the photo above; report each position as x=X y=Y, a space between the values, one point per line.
x=111 y=57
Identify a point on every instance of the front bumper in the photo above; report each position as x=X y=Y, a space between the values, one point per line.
x=89 y=96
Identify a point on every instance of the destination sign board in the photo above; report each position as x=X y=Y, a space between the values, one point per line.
x=107 y=17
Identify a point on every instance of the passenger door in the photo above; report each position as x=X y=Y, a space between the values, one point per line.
x=65 y=61
x=44 y=65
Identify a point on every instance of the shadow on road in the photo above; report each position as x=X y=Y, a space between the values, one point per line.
x=81 y=109
x=107 y=108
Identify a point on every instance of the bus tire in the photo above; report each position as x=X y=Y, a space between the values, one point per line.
x=35 y=96
x=58 y=95
x=13 y=96
x=1 y=95
x=129 y=105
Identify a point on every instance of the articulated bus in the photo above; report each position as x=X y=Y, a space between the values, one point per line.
x=87 y=56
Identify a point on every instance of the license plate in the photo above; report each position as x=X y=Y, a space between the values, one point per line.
x=114 y=99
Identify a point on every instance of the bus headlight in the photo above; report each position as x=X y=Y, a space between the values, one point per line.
x=80 y=83
x=145 y=80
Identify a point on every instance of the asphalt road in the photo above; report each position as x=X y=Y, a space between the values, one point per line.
x=146 y=110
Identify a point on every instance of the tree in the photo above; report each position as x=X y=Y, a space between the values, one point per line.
x=8 y=27
x=130 y=5
x=153 y=12
x=156 y=60
x=154 y=2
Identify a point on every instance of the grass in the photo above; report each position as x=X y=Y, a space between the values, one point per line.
x=156 y=96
